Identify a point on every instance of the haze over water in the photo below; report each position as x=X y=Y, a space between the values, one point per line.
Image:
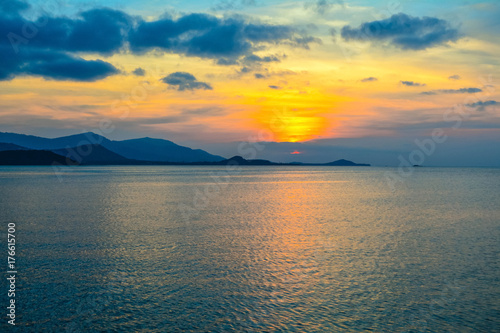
x=279 y=249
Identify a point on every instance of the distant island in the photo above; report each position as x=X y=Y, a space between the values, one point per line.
x=93 y=149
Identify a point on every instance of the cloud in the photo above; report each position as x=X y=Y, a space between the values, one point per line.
x=267 y=33
x=405 y=32
x=275 y=87
x=255 y=58
x=205 y=111
x=259 y=76
x=413 y=84
x=139 y=72
x=233 y=4
x=219 y=41
x=51 y=65
x=13 y=7
x=103 y=31
x=452 y=91
x=322 y=6
x=454 y=77
x=100 y=30
x=185 y=81
x=369 y=79
x=153 y=120
x=227 y=62
x=70 y=68
x=43 y=47
x=482 y=105
x=206 y=36
x=304 y=41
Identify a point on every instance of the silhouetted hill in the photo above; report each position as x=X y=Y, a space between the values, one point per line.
x=10 y=146
x=158 y=150
x=238 y=160
x=343 y=162
x=93 y=154
x=32 y=157
x=39 y=143
x=146 y=149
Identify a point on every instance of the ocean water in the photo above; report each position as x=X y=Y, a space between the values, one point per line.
x=254 y=249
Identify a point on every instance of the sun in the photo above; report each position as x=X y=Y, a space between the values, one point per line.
x=292 y=125
x=293 y=115
x=301 y=128
x=295 y=127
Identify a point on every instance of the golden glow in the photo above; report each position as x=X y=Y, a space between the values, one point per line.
x=300 y=128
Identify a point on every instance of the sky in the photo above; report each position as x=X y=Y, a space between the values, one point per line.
x=316 y=80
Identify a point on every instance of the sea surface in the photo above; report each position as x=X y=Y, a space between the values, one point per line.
x=252 y=249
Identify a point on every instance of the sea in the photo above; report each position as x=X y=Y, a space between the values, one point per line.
x=250 y=249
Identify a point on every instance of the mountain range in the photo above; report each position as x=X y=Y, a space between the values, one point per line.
x=144 y=149
x=93 y=149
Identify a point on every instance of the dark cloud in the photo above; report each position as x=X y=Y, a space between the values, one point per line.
x=482 y=105
x=453 y=91
x=413 y=84
x=207 y=36
x=101 y=31
x=71 y=68
x=267 y=33
x=227 y=62
x=259 y=76
x=219 y=41
x=43 y=47
x=166 y=33
x=153 y=121
x=205 y=111
x=139 y=72
x=233 y=4
x=405 y=32
x=485 y=103
x=275 y=87
x=322 y=6
x=369 y=79
x=304 y=41
x=229 y=40
x=454 y=77
x=255 y=58
x=51 y=65
x=185 y=81
x=12 y=7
